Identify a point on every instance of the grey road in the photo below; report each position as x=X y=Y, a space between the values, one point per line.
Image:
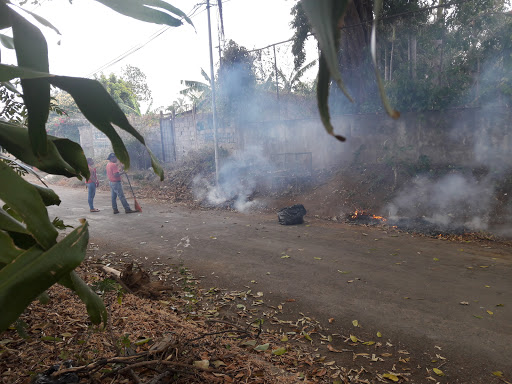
x=409 y=288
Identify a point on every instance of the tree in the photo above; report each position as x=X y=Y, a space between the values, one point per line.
x=31 y=258
x=352 y=42
x=136 y=79
x=122 y=92
x=199 y=93
x=292 y=83
x=236 y=79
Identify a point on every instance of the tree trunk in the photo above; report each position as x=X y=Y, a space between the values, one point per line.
x=477 y=86
x=409 y=61
x=355 y=36
x=440 y=75
x=414 y=56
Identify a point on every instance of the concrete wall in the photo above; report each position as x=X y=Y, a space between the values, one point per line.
x=194 y=132
x=459 y=136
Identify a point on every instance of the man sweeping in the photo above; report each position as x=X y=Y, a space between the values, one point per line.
x=116 y=188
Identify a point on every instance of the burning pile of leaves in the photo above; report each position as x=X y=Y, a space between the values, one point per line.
x=362 y=217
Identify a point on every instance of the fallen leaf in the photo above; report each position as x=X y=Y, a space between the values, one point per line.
x=279 y=351
x=386 y=354
x=262 y=347
x=317 y=258
x=369 y=342
x=306 y=336
x=218 y=363
x=331 y=320
x=438 y=372
x=353 y=338
x=490 y=312
x=379 y=334
x=391 y=377
x=285 y=257
x=332 y=349
x=478 y=317
x=202 y=364
x=284 y=338
x=500 y=305
x=498 y=373
x=142 y=341
x=355 y=323
x=436 y=259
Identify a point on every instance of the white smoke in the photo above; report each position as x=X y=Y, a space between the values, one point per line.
x=453 y=200
x=237 y=180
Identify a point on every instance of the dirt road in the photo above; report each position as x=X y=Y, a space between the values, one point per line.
x=409 y=288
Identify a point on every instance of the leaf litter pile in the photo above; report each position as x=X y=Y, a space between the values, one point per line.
x=163 y=327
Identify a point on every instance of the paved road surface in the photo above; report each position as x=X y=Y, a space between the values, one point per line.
x=407 y=287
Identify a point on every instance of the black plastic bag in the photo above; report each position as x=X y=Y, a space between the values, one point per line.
x=67 y=378
x=292 y=215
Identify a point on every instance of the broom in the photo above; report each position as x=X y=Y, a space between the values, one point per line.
x=137 y=206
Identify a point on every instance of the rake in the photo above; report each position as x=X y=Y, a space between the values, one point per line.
x=135 y=202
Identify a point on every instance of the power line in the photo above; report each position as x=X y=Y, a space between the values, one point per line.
x=136 y=48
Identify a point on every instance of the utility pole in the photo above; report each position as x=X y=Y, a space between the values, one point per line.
x=212 y=84
x=277 y=83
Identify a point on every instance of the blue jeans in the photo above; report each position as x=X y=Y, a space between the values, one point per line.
x=92 y=192
x=116 y=190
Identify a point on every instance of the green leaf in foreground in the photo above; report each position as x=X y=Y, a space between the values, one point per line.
x=36 y=270
x=25 y=200
x=147 y=10
x=95 y=306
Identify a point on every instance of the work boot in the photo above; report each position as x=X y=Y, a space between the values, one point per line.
x=129 y=210
x=116 y=211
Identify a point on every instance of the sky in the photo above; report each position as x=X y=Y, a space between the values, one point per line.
x=93 y=36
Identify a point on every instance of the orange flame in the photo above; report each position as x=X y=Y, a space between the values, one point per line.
x=359 y=213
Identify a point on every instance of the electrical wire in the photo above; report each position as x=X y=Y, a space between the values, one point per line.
x=194 y=12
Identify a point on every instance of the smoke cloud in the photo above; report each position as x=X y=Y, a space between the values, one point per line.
x=238 y=178
x=452 y=201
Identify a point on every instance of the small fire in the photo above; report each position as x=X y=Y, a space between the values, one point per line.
x=359 y=214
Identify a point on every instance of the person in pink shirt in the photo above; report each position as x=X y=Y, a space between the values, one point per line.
x=116 y=188
x=91 y=184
